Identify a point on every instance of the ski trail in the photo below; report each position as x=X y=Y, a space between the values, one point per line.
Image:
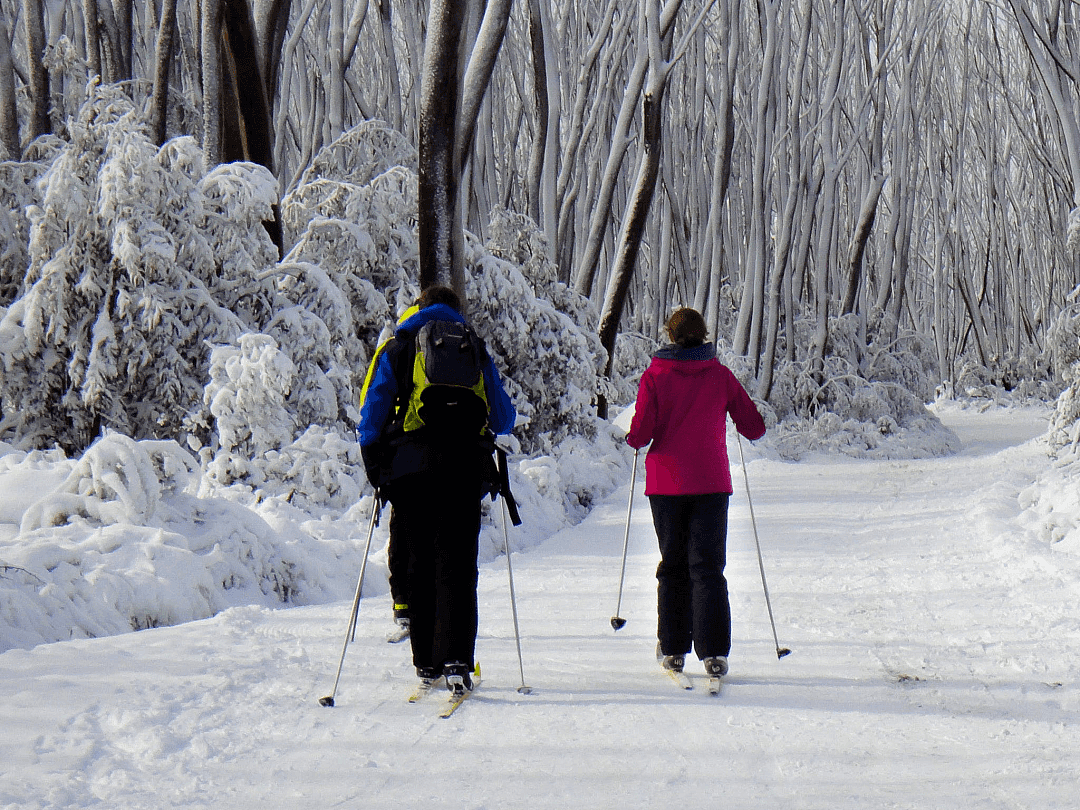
x=934 y=664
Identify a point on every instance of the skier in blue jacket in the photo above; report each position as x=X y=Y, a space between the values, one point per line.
x=435 y=479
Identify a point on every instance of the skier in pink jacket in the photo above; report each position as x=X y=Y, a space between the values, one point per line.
x=683 y=401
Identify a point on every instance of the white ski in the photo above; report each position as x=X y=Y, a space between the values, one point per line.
x=681 y=678
x=714 y=686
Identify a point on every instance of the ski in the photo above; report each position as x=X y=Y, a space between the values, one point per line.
x=397 y=635
x=714 y=686
x=680 y=678
x=423 y=690
x=454 y=702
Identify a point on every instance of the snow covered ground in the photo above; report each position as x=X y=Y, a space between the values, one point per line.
x=936 y=654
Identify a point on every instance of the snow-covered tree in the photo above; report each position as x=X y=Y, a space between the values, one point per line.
x=137 y=265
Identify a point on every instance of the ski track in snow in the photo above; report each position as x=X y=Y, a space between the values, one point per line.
x=935 y=654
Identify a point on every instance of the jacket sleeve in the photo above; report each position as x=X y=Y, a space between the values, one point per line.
x=377 y=397
x=644 y=422
x=501 y=411
x=744 y=412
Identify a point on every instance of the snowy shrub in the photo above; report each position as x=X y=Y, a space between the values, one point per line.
x=633 y=353
x=246 y=395
x=1008 y=380
x=866 y=400
x=251 y=396
x=17 y=192
x=124 y=543
x=117 y=480
x=361 y=154
x=1063 y=344
x=120 y=306
x=319 y=469
x=548 y=363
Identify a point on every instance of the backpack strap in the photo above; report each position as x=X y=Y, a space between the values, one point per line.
x=402 y=364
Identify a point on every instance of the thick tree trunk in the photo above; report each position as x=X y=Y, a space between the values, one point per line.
x=440 y=230
x=271 y=23
x=478 y=73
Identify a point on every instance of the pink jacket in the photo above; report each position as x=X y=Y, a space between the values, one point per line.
x=683 y=401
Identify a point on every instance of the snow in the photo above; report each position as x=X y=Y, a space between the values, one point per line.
x=930 y=611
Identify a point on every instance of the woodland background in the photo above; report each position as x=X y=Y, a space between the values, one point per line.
x=873 y=202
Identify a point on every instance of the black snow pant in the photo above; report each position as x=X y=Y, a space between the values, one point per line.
x=438 y=515
x=692 y=592
x=397 y=561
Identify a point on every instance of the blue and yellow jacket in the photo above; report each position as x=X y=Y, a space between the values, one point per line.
x=380 y=391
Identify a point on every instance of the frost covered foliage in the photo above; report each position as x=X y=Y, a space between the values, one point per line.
x=866 y=401
x=354 y=260
x=124 y=543
x=248 y=395
x=1010 y=380
x=137 y=264
x=539 y=333
x=633 y=353
x=17 y=193
x=1064 y=346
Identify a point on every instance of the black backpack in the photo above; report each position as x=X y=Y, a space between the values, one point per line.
x=444 y=393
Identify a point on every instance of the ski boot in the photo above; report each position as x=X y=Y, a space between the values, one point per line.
x=458 y=678
x=716 y=666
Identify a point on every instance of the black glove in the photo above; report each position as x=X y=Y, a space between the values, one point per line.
x=378 y=458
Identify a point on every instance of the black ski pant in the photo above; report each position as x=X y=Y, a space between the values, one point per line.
x=692 y=592
x=397 y=561
x=438 y=515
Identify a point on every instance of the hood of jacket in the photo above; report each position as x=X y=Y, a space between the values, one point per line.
x=409 y=326
x=687 y=361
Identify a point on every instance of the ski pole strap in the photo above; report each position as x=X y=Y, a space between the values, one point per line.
x=504 y=487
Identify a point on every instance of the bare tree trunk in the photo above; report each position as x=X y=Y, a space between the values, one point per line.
x=786 y=235
x=752 y=306
x=159 y=103
x=620 y=142
x=713 y=264
x=629 y=246
x=1049 y=71
x=93 y=38
x=34 y=26
x=478 y=73
x=335 y=80
x=387 y=23
x=109 y=41
x=9 y=113
x=211 y=83
x=271 y=23
x=858 y=243
x=630 y=238
x=540 y=98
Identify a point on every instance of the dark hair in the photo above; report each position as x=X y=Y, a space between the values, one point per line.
x=686 y=328
x=438 y=294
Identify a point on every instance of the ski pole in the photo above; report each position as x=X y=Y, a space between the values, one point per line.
x=780 y=651
x=617 y=622
x=350 y=633
x=523 y=689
